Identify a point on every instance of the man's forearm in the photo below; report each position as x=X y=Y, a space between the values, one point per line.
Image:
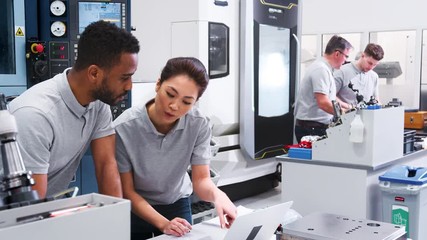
x=109 y=181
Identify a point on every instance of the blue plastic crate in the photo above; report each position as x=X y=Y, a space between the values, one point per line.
x=303 y=153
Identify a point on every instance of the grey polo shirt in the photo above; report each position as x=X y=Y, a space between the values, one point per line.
x=54 y=130
x=365 y=82
x=159 y=162
x=317 y=79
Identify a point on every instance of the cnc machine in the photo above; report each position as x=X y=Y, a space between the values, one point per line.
x=39 y=39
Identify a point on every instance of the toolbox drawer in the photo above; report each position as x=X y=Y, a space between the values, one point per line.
x=415 y=120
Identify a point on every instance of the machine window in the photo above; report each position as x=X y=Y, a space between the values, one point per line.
x=7 y=39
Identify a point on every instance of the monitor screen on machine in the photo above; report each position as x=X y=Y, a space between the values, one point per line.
x=93 y=11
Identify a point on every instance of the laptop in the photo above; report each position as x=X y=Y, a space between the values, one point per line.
x=259 y=224
x=256 y=225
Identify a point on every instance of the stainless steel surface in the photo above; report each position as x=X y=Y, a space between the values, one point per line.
x=322 y=226
x=13 y=158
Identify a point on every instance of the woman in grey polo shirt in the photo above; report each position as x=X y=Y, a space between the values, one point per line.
x=157 y=142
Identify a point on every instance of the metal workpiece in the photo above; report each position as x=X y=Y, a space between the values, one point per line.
x=325 y=226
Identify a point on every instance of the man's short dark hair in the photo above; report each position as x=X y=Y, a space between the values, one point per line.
x=102 y=43
x=375 y=51
x=337 y=43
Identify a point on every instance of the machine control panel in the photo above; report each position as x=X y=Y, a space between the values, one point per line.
x=37 y=62
x=61 y=22
x=59 y=57
x=58 y=8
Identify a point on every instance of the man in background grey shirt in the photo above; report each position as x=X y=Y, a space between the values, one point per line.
x=313 y=108
x=359 y=76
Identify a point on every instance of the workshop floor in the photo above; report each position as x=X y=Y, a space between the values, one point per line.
x=269 y=198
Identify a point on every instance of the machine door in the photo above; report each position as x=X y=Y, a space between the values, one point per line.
x=275 y=24
x=218 y=50
x=12 y=46
x=273 y=71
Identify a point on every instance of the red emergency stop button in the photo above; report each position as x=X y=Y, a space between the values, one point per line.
x=37 y=48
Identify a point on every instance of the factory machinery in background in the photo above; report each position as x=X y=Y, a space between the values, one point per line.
x=16 y=182
x=39 y=39
x=24 y=215
x=246 y=46
x=251 y=51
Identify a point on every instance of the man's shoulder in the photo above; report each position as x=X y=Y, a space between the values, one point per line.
x=319 y=66
x=350 y=68
x=43 y=96
x=373 y=74
x=319 y=63
x=346 y=71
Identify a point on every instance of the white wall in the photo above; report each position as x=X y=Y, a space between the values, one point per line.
x=364 y=16
x=156 y=23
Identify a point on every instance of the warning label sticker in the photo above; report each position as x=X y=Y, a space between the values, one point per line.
x=19 y=31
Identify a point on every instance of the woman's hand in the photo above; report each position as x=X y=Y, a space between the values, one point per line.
x=226 y=210
x=177 y=227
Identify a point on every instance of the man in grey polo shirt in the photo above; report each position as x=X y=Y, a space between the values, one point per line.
x=59 y=118
x=314 y=109
x=359 y=76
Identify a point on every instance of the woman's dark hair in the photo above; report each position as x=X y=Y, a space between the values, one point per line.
x=102 y=43
x=189 y=66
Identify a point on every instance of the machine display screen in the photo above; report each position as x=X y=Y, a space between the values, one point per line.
x=93 y=11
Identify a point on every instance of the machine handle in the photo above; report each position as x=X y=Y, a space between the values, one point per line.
x=2 y=102
x=221 y=3
x=298 y=67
